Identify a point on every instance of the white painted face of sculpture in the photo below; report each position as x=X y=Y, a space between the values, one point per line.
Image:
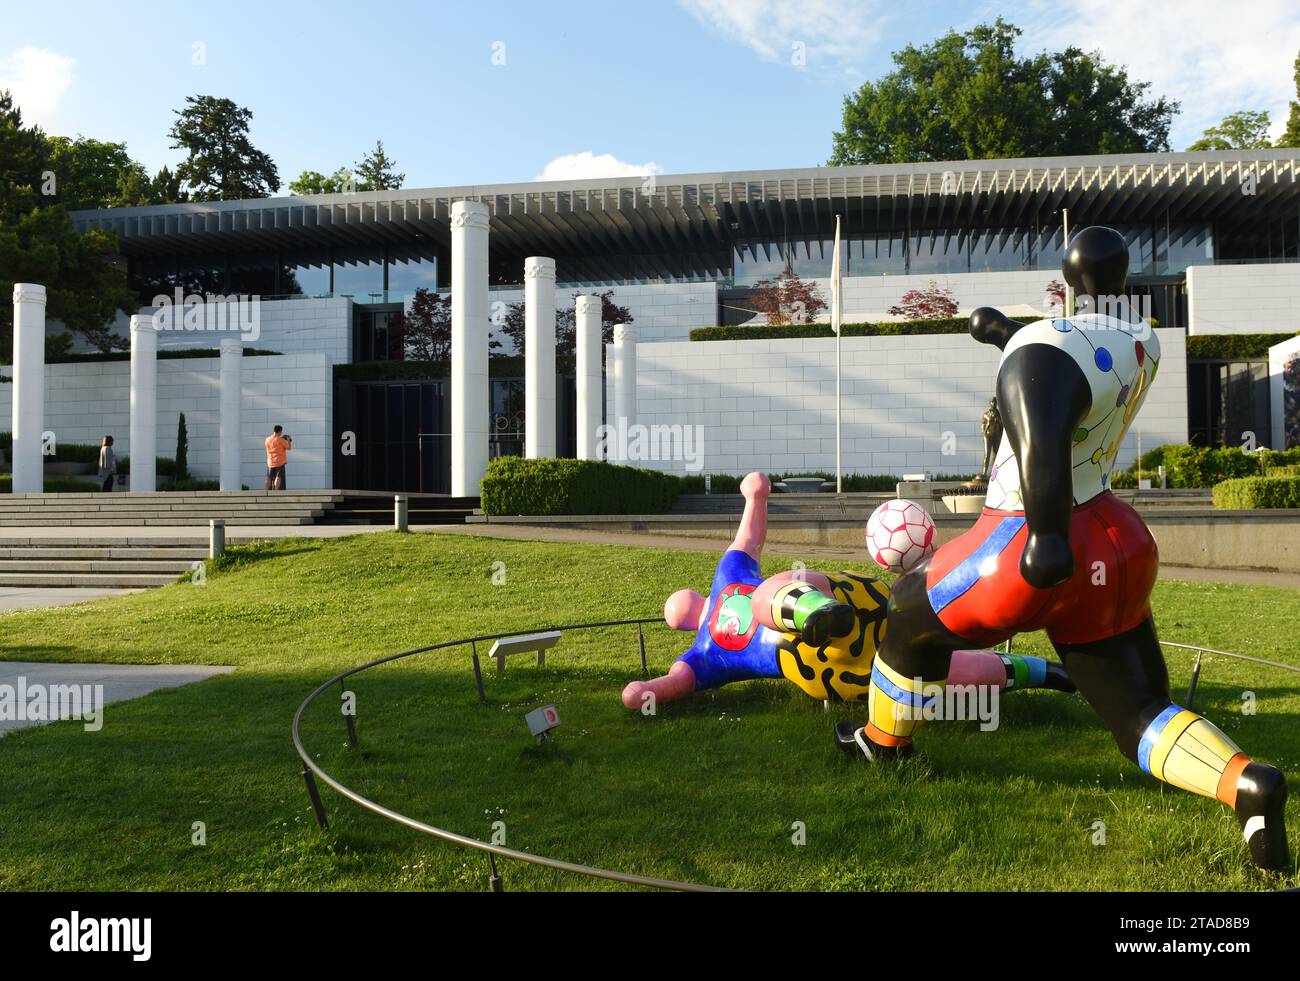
x=1120 y=360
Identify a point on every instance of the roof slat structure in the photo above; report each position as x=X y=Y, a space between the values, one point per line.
x=687 y=226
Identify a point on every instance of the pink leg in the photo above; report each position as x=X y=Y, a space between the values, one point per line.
x=752 y=531
x=977 y=668
x=761 y=599
x=677 y=683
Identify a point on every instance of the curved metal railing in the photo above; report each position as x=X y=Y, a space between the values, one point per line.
x=311 y=771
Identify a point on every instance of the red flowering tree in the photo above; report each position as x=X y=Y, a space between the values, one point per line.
x=787 y=300
x=1055 y=295
x=423 y=332
x=928 y=304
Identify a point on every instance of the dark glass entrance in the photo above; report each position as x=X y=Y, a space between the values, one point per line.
x=396 y=435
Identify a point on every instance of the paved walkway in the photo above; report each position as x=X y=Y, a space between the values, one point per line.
x=828 y=554
x=106 y=683
x=37 y=597
x=542 y=533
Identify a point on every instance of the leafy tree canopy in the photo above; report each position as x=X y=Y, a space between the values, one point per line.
x=1291 y=137
x=969 y=96
x=40 y=178
x=1243 y=130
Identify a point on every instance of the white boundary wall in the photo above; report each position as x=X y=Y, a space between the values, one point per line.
x=287 y=326
x=1253 y=298
x=867 y=298
x=83 y=402
x=770 y=404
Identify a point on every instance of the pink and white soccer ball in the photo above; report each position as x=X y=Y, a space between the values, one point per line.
x=899 y=535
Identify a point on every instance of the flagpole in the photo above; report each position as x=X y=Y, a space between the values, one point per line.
x=835 y=326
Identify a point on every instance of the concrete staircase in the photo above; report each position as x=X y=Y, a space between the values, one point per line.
x=184 y=509
x=50 y=562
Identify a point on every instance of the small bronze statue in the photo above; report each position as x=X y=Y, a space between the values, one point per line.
x=992 y=437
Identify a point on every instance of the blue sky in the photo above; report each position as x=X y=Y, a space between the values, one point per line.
x=586 y=89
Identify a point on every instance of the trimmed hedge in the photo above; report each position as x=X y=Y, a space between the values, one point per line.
x=53 y=485
x=1229 y=346
x=940 y=325
x=1257 y=492
x=514 y=485
x=1199 y=466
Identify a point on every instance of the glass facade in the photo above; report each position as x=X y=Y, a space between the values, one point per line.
x=359 y=273
x=306 y=273
x=390 y=273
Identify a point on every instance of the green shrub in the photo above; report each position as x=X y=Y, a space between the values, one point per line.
x=719 y=483
x=1214 y=347
x=163 y=466
x=1257 y=492
x=514 y=485
x=52 y=485
x=190 y=485
x=1124 y=480
x=940 y=325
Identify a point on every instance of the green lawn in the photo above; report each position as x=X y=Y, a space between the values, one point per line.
x=707 y=790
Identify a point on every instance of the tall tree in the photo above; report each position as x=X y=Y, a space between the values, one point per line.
x=95 y=174
x=223 y=164
x=38 y=244
x=23 y=156
x=1291 y=137
x=970 y=96
x=1245 y=130
x=376 y=171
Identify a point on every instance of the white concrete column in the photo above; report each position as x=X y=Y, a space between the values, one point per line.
x=539 y=357
x=29 y=388
x=232 y=384
x=144 y=403
x=624 y=383
x=469 y=346
x=587 y=321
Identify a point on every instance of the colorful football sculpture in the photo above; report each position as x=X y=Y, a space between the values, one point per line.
x=818 y=630
x=1055 y=550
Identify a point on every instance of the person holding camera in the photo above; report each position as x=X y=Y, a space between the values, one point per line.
x=278 y=445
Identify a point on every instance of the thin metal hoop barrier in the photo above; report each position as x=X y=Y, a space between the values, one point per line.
x=554 y=863
x=451 y=836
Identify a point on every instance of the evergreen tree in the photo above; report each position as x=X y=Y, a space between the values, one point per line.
x=223 y=164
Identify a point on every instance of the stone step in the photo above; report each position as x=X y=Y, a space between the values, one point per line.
x=107 y=521
x=170 y=567
x=106 y=580
x=118 y=497
x=60 y=552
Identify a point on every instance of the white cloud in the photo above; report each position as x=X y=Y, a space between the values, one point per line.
x=38 y=78
x=816 y=34
x=1213 y=58
x=587 y=165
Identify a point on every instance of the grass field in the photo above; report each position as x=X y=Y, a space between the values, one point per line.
x=706 y=790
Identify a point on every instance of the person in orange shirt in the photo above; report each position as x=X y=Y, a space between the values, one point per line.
x=278 y=446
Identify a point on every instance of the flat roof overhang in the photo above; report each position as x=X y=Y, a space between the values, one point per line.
x=697 y=216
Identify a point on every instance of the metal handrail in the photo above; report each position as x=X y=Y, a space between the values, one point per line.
x=311 y=769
